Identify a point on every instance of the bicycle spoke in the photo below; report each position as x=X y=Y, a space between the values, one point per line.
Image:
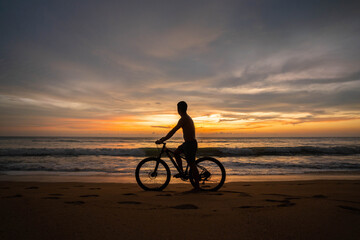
x=150 y=178
x=212 y=174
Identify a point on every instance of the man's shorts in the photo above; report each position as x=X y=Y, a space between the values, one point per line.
x=189 y=149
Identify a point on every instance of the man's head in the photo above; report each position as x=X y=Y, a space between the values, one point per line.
x=182 y=107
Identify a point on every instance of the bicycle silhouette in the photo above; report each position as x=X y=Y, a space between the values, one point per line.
x=153 y=174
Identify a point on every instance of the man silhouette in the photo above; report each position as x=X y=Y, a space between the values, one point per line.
x=189 y=147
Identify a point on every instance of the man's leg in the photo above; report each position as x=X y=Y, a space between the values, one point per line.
x=195 y=174
x=190 y=153
x=178 y=159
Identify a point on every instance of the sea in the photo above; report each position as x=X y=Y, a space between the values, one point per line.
x=119 y=156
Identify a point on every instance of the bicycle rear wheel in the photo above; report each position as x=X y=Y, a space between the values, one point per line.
x=149 y=179
x=211 y=172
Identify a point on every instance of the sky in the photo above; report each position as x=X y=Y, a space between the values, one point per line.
x=118 y=68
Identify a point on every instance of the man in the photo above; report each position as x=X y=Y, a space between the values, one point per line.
x=189 y=147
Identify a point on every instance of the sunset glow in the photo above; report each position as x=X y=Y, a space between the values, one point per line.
x=244 y=69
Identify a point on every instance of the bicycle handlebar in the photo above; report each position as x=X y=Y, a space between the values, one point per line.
x=156 y=142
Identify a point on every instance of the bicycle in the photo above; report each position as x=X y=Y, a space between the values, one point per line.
x=153 y=174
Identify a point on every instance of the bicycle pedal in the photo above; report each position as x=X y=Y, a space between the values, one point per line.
x=178 y=175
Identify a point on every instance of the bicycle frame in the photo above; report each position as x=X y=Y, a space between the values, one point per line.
x=146 y=173
x=168 y=152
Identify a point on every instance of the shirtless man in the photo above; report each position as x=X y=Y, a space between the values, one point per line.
x=189 y=147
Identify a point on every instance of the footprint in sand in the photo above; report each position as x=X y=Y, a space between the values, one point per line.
x=75 y=202
x=272 y=200
x=319 y=196
x=79 y=186
x=129 y=194
x=185 y=206
x=277 y=194
x=292 y=198
x=286 y=197
x=14 y=196
x=244 y=194
x=129 y=202
x=164 y=195
x=251 y=207
x=284 y=203
x=90 y=195
x=229 y=191
x=51 y=198
x=353 y=209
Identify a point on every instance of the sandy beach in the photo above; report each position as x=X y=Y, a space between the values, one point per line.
x=326 y=209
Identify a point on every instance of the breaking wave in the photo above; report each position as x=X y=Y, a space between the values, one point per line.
x=137 y=152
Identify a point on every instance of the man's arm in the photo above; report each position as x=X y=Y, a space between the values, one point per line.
x=171 y=133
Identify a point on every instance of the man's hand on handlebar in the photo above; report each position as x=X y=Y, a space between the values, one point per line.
x=160 y=141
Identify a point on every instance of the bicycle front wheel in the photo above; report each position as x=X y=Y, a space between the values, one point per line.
x=152 y=174
x=211 y=172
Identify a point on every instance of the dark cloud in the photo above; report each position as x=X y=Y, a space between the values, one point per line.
x=92 y=59
x=348 y=78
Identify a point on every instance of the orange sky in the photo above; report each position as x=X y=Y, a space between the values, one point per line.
x=210 y=125
x=274 y=68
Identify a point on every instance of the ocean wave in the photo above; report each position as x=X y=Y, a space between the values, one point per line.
x=290 y=151
x=221 y=152
x=288 y=165
x=233 y=168
x=71 y=152
x=55 y=140
x=60 y=169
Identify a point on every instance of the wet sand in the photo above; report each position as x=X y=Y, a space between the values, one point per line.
x=326 y=209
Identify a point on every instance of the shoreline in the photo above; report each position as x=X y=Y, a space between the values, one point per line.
x=109 y=178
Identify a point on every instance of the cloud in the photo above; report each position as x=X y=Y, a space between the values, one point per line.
x=161 y=126
x=233 y=58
